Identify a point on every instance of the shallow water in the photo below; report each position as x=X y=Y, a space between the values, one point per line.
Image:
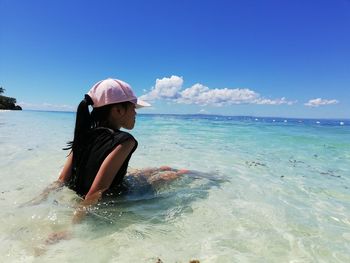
x=260 y=190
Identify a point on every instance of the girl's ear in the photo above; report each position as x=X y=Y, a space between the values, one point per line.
x=119 y=110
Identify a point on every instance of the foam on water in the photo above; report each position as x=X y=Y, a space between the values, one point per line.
x=260 y=190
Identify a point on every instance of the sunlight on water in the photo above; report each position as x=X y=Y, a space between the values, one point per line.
x=260 y=190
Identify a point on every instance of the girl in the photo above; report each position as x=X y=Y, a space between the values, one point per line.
x=100 y=151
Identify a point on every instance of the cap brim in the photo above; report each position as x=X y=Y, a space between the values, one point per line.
x=140 y=104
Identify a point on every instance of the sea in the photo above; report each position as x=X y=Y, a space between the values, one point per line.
x=258 y=190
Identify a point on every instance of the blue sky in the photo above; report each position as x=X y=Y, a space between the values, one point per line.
x=249 y=57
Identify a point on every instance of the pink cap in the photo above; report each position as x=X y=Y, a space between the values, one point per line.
x=110 y=91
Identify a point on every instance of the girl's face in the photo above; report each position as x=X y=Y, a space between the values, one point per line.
x=123 y=116
x=129 y=117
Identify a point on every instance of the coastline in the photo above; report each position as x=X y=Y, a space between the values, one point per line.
x=233 y=117
x=8 y=103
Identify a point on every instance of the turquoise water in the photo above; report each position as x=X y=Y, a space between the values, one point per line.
x=260 y=190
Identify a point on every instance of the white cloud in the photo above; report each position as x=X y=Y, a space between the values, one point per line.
x=165 y=88
x=203 y=111
x=170 y=89
x=275 y=101
x=320 y=102
x=195 y=91
x=202 y=95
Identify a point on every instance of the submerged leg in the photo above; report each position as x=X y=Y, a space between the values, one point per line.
x=166 y=175
x=161 y=174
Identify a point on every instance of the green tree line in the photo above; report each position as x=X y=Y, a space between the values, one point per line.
x=7 y=102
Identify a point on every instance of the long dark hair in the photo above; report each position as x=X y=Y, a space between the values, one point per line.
x=85 y=121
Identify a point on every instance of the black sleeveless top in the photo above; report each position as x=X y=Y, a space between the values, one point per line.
x=88 y=159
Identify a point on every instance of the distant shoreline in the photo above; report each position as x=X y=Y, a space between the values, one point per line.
x=211 y=115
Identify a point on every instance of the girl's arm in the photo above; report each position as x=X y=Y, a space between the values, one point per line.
x=104 y=177
x=65 y=174
x=102 y=182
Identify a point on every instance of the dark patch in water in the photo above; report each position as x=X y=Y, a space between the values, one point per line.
x=329 y=146
x=191 y=261
x=330 y=173
x=254 y=163
x=295 y=162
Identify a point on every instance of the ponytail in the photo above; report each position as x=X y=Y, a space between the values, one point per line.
x=83 y=124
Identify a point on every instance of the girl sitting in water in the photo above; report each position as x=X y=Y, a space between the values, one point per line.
x=100 y=151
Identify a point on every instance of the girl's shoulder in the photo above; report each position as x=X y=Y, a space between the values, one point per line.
x=116 y=136
x=122 y=136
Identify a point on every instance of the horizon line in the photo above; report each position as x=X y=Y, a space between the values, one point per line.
x=203 y=114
